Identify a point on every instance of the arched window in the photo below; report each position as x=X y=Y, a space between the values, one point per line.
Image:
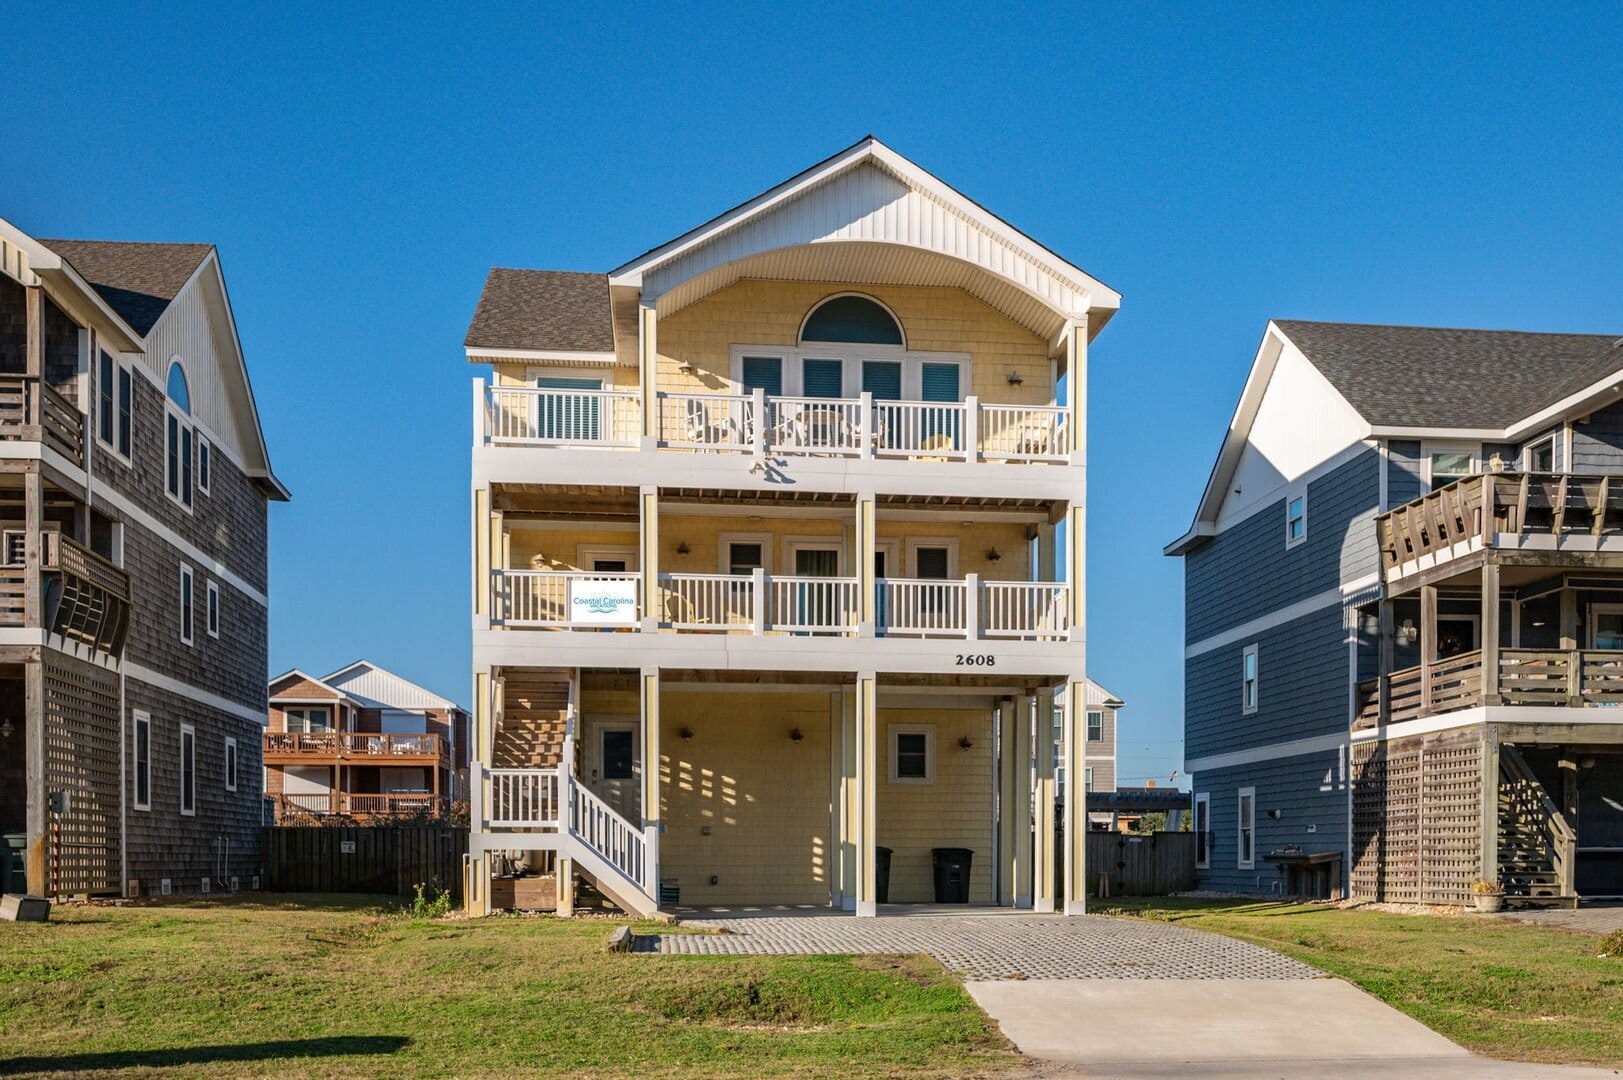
x=179 y=439
x=178 y=391
x=852 y=319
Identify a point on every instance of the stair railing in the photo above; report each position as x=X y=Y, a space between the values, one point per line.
x=1556 y=835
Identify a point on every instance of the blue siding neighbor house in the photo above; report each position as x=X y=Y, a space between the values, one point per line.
x=1403 y=610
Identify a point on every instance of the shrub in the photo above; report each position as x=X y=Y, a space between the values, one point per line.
x=430 y=902
x=1612 y=945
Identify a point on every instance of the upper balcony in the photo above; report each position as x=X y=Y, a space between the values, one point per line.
x=1547 y=519
x=83 y=597
x=353 y=748
x=760 y=424
x=31 y=410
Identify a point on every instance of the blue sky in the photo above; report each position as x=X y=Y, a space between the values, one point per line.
x=1459 y=167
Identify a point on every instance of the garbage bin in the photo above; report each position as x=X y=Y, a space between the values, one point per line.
x=14 y=863
x=881 y=873
x=952 y=874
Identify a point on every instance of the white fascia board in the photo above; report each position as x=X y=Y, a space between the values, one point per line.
x=263 y=470
x=550 y=356
x=42 y=261
x=1100 y=295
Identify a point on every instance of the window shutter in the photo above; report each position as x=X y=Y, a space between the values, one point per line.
x=823 y=378
x=568 y=416
x=763 y=373
x=882 y=379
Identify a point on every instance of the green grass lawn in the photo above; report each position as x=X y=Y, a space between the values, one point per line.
x=332 y=986
x=1501 y=988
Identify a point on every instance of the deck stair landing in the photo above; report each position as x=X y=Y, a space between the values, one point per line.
x=1536 y=844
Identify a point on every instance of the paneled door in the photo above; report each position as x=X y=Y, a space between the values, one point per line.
x=614 y=764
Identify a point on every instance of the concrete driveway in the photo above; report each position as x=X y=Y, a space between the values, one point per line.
x=1234 y=1029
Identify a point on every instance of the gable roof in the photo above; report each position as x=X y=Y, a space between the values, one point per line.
x=1098 y=695
x=136 y=279
x=305 y=677
x=1434 y=377
x=543 y=310
x=378 y=687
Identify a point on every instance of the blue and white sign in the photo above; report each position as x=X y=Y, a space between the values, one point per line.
x=605 y=603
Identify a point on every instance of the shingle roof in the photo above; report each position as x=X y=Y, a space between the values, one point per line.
x=543 y=309
x=136 y=279
x=1418 y=376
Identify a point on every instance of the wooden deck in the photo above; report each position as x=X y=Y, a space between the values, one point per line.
x=361 y=806
x=353 y=748
x=31 y=410
x=1538 y=510
x=1571 y=678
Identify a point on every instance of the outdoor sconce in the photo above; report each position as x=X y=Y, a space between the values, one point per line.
x=686 y=368
x=795 y=734
x=682 y=548
x=1407 y=633
x=965 y=742
x=6 y=728
x=1276 y=814
x=684 y=732
x=993 y=555
x=1014 y=378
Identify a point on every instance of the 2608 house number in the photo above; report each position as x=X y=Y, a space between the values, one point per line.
x=979 y=659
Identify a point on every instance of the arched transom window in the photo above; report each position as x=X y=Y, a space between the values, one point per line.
x=179 y=393
x=852 y=319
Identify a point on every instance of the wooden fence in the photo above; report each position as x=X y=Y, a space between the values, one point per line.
x=1154 y=864
x=365 y=860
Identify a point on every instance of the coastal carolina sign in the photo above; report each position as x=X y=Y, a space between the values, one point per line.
x=609 y=603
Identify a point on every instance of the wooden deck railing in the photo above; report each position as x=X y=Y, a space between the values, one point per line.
x=31 y=410
x=1570 y=678
x=83 y=596
x=291 y=808
x=352 y=744
x=1476 y=510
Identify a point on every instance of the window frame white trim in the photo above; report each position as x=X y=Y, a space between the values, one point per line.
x=233 y=764
x=1244 y=830
x=1087 y=779
x=1250 y=684
x=1292 y=495
x=800 y=333
x=304 y=712
x=892 y=731
x=793 y=544
x=1203 y=801
x=203 y=449
x=1526 y=457
x=183 y=427
x=587 y=554
x=724 y=547
x=910 y=553
x=1087 y=719
x=188 y=605
x=119 y=423
x=213 y=617
x=139 y=719
x=188 y=764
x=851 y=356
x=1431 y=447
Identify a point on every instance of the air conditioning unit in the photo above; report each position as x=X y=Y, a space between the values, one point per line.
x=203 y=887
x=163 y=887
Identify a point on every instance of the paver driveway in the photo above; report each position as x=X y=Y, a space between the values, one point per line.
x=1000 y=946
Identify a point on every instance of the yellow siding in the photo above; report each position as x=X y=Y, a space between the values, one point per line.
x=551 y=549
x=954 y=811
x=764 y=796
x=933 y=319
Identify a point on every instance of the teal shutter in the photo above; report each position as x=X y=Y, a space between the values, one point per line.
x=763 y=373
x=882 y=379
x=939 y=382
x=568 y=416
x=822 y=378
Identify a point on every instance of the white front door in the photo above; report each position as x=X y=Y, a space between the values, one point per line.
x=614 y=765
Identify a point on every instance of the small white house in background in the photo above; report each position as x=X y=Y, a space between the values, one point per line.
x=362 y=743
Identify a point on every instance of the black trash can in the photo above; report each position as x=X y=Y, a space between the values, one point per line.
x=881 y=874
x=952 y=874
x=14 y=863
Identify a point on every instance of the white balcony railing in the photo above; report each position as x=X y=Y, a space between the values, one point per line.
x=861 y=427
x=525 y=798
x=573 y=600
x=525 y=415
x=762 y=603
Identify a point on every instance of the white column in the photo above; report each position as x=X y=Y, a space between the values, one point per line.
x=1044 y=891
x=867 y=583
x=648 y=372
x=867 y=791
x=1076 y=388
x=650 y=778
x=1076 y=814
x=648 y=556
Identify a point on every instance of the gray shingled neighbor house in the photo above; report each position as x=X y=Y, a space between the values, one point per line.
x=1404 y=618
x=135 y=482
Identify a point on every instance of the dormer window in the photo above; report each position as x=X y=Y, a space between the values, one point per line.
x=178 y=463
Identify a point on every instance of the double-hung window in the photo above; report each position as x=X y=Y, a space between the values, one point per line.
x=188 y=769
x=188 y=604
x=1445 y=463
x=114 y=404
x=212 y=609
x=179 y=438
x=302 y=721
x=1096 y=725
x=1295 y=518
x=912 y=754
x=205 y=464
x=1203 y=830
x=1246 y=828
x=1248 y=680
x=230 y=763
x=142 y=752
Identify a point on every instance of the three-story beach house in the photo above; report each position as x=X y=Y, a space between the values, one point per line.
x=135 y=481
x=767 y=599
x=1404 y=618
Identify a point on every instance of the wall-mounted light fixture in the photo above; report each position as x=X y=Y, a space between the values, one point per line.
x=1408 y=633
x=687 y=368
x=965 y=742
x=6 y=728
x=682 y=547
x=795 y=734
x=993 y=555
x=684 y=732
x=1015 y=378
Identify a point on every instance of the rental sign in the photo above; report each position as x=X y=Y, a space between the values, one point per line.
x=603 y=603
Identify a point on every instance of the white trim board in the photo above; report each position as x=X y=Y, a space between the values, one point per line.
x=186 y=690
x=1280 y=616
x=139 y=516
x=1272 y=752
x=1493 y=714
